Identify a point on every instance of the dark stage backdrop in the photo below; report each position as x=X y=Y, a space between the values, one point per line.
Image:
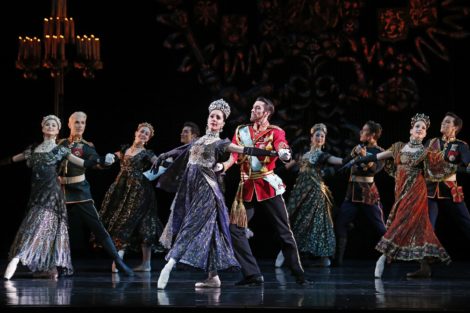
x=140 y=82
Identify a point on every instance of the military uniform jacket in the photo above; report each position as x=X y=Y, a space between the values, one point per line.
x=257 y=173
x=441 y=167
x=77 y=192
x=359 y=190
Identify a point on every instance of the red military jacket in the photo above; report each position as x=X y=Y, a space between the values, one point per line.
x=257 y=172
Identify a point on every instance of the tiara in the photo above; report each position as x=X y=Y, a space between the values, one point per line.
x=51 y=117
x=319 y=126
x=221 y=105
x=421 y=117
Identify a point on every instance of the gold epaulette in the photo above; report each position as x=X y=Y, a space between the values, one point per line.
x=61 y=141
x=241 y=126
x=275 y=127
x=88 y=143
x=459 y=140
x=237 y=131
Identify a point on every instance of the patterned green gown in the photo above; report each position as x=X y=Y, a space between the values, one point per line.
x=310 y=206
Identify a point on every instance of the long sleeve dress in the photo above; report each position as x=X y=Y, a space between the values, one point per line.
x=310 y=205
x=42 y=241
x=197 y=231
x=410 y=235
x=129 y=208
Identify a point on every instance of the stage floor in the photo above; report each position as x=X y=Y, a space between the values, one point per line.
x=351 y=287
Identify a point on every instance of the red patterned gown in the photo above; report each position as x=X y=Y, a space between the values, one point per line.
x=410 y=235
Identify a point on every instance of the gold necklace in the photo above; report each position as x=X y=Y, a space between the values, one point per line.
x=134 y=148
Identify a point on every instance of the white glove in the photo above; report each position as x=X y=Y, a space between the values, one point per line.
x=248 y=233
x=152 y=175
x=284 y=155
x=109 y=159
x=219 y=167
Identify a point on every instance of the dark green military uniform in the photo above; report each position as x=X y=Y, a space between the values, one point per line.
x=77 y=189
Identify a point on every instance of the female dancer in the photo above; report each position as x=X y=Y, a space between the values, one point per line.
x=198 y=228
x=310 y=202
x=409 y=235
x=129 y=206
x=42 y=241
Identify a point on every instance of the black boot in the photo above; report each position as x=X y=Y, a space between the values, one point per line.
x=109 y=247
x=423 y=272
x=342 y=241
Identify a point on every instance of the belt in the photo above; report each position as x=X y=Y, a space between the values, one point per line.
x=453 y=177
x=71 y=180
x=361 y=179
x=255 y=175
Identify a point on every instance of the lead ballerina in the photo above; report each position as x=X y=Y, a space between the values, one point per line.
x=197 y=232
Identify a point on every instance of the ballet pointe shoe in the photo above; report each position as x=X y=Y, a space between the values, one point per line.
x=144 y=267
x=11 y=268
x=210 y=282
x=379 y=266
x=279 y=260
x=165 y=274
x=323 y=262
x=114 y=268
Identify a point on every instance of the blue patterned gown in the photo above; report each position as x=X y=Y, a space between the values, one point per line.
x=198 y=228
x=310 y=206
x=42 y=241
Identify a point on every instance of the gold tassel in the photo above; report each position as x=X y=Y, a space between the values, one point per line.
x=238 y=211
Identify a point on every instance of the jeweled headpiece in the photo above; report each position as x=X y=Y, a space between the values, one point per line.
x=51 y=117
x=221 y=105
x=149 y=126
x=319 y=126
x=421 y=117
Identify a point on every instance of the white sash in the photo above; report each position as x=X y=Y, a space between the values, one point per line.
x=274 y=180
x=248 y=142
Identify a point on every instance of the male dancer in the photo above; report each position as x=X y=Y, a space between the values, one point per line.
x=445 y=155
x=362 y=193
x=260 y=187
x=189 y=133
x=77 y=189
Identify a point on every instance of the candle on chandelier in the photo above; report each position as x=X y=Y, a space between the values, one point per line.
x=54 y=47
x=79 y=50
x=67 y=30
x=46 y=27
x=57 y=30
x=72 y=29
x=92 y=47
x=38 y=49
x=97 y=49
x=50 y=31
x=20 y=48
x=47 y=48
x=89 y=52
x=62 y=48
